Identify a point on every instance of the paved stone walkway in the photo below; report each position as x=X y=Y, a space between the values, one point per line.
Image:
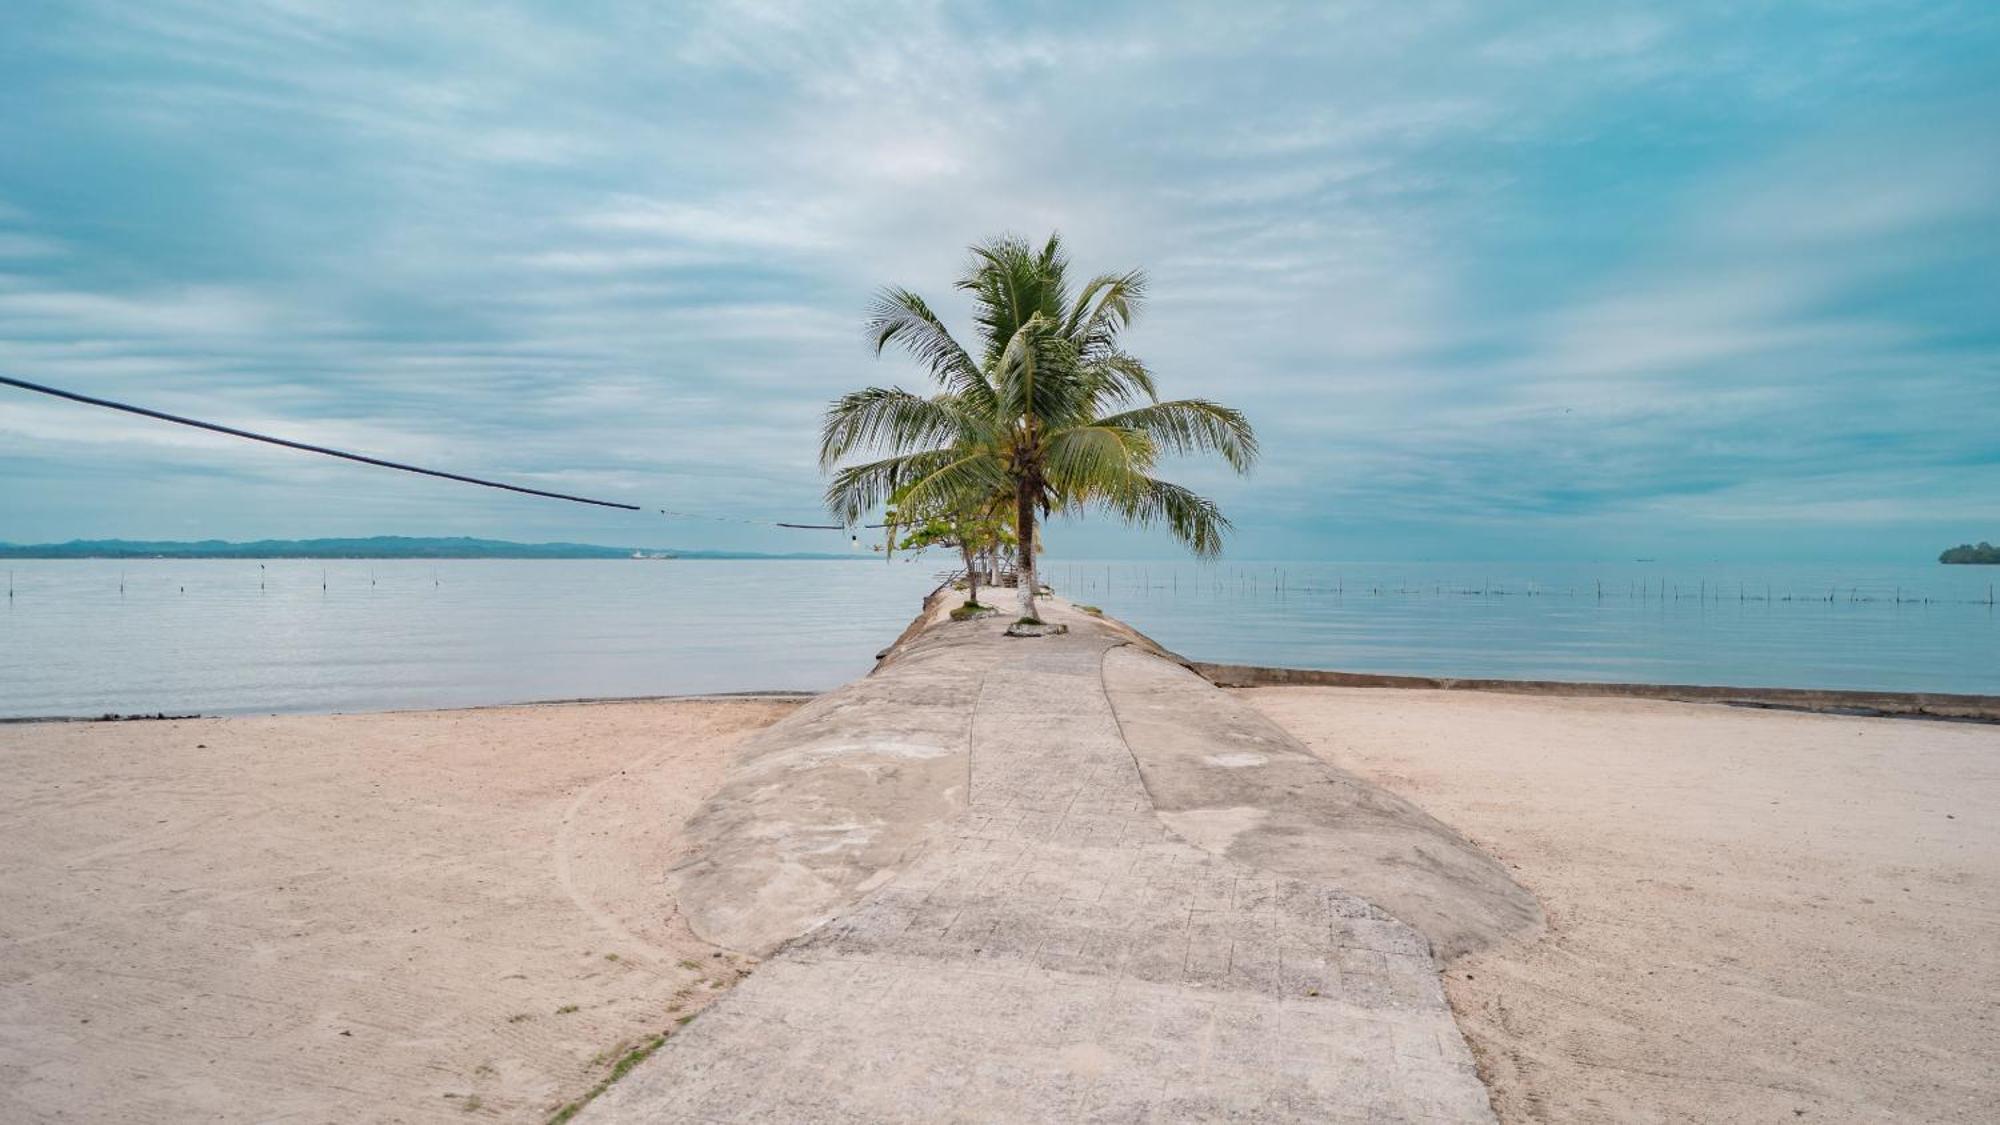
x=1052 y=952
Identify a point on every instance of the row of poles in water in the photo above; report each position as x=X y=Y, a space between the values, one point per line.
x=263 y=581
x=1242 y=581
x=1246 y=582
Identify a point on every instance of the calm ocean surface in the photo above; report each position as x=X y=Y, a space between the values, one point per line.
x=202 y=636
x=1917 y=628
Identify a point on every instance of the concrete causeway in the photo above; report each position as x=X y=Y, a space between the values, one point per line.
x=1064 y=879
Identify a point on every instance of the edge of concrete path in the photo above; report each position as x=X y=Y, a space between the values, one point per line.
x=1227 y=779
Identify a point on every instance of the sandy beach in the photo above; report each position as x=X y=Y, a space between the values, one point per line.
x=422 y=916
x=1753 y=915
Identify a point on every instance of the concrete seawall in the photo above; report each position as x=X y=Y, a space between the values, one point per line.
x=1922 y=705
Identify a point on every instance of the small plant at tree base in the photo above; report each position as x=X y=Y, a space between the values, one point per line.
x=970 y=611
x=1029 y=621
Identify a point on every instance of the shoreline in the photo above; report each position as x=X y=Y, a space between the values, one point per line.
x=776 y=695
x=1923 y=706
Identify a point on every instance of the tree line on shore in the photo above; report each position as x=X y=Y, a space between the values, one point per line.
x=1967 y=553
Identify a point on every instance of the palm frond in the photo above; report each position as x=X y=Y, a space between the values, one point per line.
x=1011 y=284
x=1096 y=461
x=1193 y=425
x=891 y=419
x=1106 y=305
x=1193 y=519
x=963 y=481
x=1034 y=377
x=859 y=488
x=1118 y=378
x=902 y=317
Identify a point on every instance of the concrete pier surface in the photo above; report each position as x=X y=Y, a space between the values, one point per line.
x=1063 y=878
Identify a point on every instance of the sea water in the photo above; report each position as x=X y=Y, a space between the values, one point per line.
x=1927 y=628
x=216 y=636
x=91 y=637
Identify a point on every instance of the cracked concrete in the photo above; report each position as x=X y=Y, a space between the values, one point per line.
x=1061 y=878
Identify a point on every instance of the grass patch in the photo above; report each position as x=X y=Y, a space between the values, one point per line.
x=691 y=966
x=1091 y=610
x=970 y=610
x=619 y=1069
x=1029 y=621
x=611 y=957
x=566 y=1009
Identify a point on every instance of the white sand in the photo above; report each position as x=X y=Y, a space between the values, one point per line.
x=1754 y=916
x=346 y=918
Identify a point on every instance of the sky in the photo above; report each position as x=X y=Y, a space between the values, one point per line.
x=1493 y=281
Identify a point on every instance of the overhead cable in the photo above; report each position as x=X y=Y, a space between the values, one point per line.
x=306 y=447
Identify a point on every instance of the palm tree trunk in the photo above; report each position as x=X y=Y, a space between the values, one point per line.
x=971 y=573
x=1024 y=570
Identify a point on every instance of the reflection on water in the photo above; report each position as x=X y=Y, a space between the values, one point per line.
x=223 y=636
x=1927 y=628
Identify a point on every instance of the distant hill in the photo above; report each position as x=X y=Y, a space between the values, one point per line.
x=374 y=547
x=1967 y=553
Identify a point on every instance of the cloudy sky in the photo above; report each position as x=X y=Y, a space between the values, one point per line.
x=1501 y=281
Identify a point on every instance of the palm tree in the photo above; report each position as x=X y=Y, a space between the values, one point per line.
x=1048 y=414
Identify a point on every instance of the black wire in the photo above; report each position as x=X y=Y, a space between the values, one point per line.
x=143 y=412
x=269 y=440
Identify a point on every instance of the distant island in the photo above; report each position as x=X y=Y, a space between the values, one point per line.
x=1967 y=553
x=373 y=547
